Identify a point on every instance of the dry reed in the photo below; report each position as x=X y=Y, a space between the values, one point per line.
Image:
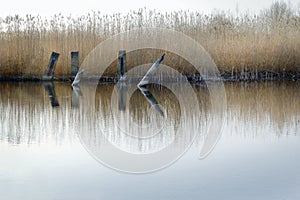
x=268 y=41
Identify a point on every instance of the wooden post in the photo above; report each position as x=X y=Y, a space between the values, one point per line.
x=121 y=64
x=49 y=73
x=74 y=63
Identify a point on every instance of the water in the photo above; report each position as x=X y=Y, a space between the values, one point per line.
x=51 y=147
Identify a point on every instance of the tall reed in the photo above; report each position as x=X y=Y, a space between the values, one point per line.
x=268 y=41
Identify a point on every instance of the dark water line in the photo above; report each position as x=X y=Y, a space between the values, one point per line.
x=193 y=78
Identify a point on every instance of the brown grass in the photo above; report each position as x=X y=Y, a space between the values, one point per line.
x=265 y=42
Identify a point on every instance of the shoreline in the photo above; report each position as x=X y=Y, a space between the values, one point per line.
x=227 y=77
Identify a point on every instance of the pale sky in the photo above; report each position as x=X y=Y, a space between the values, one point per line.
x=48 y=8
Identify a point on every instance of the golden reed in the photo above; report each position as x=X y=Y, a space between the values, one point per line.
x=269 y=41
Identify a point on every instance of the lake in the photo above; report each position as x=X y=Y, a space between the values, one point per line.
x=160 y=142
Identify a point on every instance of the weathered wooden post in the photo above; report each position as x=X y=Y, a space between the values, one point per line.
x=74 y=63
x=121 y=64
x=49 y=73
x=49 y=87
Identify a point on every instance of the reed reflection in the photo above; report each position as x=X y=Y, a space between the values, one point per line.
x=28 y=118
x=140 y=120
x=254 y=110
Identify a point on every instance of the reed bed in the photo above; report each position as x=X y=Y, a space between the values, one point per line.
x=238 y=43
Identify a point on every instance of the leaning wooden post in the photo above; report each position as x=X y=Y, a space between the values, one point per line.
x=74 y=63
x=121 y=64
x=49 y=73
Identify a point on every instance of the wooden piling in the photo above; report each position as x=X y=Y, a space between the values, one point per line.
x=121 y=64
x=49 y=73
x=74 y=63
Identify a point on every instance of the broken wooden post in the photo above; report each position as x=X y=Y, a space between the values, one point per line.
x=74 y=63
x=151 y=71
x=49 y=73
x=121 y=64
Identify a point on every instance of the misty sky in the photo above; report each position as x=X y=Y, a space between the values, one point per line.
x=48 y=8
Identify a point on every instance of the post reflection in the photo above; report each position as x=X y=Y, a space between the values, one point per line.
x=49 y=87
x=151 y=99
x=122 y=90
x=76 y=94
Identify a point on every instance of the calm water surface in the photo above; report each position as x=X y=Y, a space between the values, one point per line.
x=47 y=143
